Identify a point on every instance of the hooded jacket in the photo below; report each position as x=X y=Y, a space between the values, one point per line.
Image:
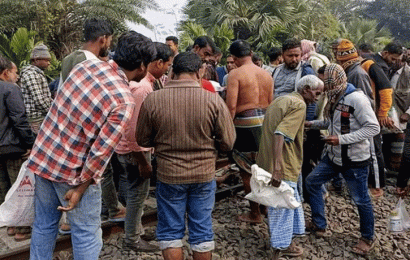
x=354 y=122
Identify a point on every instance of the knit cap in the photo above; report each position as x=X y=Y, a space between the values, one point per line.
x=346 y=51
x=40 y=52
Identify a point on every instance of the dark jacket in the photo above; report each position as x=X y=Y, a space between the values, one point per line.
x=15 y=132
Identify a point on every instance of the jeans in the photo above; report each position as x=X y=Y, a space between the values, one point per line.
x=194 y=200
x=137 y=192
x=86 y=233
x=109 y=193
x=356 y=181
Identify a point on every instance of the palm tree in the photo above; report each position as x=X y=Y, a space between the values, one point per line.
x=190 y=31
x=18 y=48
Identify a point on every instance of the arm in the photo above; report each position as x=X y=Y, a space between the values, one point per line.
x=384 y=91
x=368 y=121
x=277 y=174
x=232 y=90
x=17 y=113
x=74 y=196
x=144 y=165
x=144 y=133
x=224 y=129
x=318 y=124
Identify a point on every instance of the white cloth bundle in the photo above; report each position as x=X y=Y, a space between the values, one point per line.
x=264 y=193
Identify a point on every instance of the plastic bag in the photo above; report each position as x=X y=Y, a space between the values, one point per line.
x=264 y=193
x=18 y=207
x=399 y=219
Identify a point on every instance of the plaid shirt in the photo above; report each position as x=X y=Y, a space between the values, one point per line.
x=36 y=94
x=84 y=124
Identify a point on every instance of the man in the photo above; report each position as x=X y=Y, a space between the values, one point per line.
x=16 y=136
x=134 y=160
x=248 y=94
x=224 y=71
x=98 y=36
x=186 y=134
x=351 y=123
x=309 y=54
x=280 y=153
x=172 y=42
x=257 y=60
x=34 y=86
x=287 y=74
x=391 y=54
x=371 y=79
x=76 y=142
x=275 y=59
x=365 y=49
x=204 y=47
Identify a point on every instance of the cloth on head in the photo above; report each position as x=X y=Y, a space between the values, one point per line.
x=40 y=52
x=307 y=47
x=335 y=81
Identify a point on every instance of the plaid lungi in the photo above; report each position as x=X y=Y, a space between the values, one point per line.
x=284 y=224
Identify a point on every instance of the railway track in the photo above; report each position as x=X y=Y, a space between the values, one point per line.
x=149 y=218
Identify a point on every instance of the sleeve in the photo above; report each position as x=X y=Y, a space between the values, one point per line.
x=320 y=124
x=103 y=146
x=17 y=113
x=225 y=134
x=366 y=118
x=145 y=131
x=291 y=122
x=383 y=89
x=362 y=82
x=307 y=70
x=40 y=94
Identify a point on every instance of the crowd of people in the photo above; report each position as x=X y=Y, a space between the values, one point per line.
x=313 y=122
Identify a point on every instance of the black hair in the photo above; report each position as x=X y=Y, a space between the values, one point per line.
x=164 y=52
x=274 y=54
x=217 y=51
x=291 y=43
x=321 y=70
x=366 y=47
x=172 y=38
x=134 y=49
x=5 y=64
x=240 y=48
x=186 y=62
x=394 y=48
x=256 y=57
x=203 y=41
x=94 y=28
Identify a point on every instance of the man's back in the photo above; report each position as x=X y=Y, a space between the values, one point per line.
x=249 y=87
x=186 y=124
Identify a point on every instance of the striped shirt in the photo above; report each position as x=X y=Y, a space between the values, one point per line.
x=36 y=94
x=84 y=124
x=186 y=125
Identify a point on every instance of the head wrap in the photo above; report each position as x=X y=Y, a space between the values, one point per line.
x=40 y=52
x=307 y=47
x=335 y=82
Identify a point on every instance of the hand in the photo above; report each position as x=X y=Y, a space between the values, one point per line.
x=386 y=121
x=402 y=192
x=26 y=155
x=73 y=196
x=308 y=124
x=332 y=140
x=277 y=174
x=404 y=118
x=145 y=170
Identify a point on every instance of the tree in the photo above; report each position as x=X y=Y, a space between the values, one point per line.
x=190 y=31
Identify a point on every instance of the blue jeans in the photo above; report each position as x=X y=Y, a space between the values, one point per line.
x=85 y=221
x=356 y=181
x=137 y=192
x=197 y=201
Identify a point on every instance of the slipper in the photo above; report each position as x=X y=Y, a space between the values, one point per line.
x=245 y=218
x=295 y=251
x=361 y=251
x=22 y=236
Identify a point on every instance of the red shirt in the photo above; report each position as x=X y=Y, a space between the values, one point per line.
x=207 y=85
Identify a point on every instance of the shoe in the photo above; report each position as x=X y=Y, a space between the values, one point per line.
x=140 y=246
x=64 y=229
x=376 y=192
x=149 y=236
x=363 y=251
x=311 y=228
x=22 y=233
x=120 y=217
x=11 y=231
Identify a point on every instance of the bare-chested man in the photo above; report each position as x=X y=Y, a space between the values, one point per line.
x=249 y=93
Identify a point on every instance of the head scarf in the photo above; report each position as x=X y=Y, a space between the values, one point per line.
x=307 y=47
x=335 y=81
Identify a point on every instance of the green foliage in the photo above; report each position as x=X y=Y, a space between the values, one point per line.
x=18 y=48
x=190 y=31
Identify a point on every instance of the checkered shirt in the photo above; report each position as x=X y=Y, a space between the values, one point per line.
x=36 y=94
x=84 y=124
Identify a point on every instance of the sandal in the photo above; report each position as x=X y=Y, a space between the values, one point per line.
x=22 y=233
x=311 y=228
x=292 y=251
x=364 y=251
x=11 y=231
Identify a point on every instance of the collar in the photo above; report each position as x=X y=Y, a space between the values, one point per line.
x=89 y=55
x=150 y=78
x=182 y=84
x=118 y=69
